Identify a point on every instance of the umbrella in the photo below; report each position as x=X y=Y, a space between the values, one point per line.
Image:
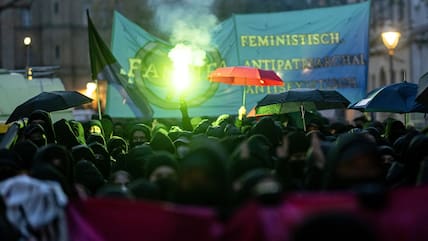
x=49 y=101
x=300 y=100
x=394 y=98
x=422 y=95
x=244 y=75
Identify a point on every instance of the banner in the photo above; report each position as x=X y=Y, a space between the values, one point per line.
x=126 y=220
x=399 y=215
x=325 y=48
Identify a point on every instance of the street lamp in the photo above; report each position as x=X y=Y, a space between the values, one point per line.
x=28 y=70
x=390 y=39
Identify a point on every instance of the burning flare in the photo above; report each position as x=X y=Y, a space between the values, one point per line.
x=183 y=57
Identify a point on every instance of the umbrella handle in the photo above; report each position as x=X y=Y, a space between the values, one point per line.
x=302 y=114
x=243 y=96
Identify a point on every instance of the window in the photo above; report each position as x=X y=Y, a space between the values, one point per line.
x=401 y=7
x=391 y=7
x=382 y=77
x=57 y=52
x=373 y=81
x=403 y=75
x=380 y=13
x=56 y=7
x=26 y=17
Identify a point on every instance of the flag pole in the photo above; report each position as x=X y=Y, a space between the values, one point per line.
x=98 y=100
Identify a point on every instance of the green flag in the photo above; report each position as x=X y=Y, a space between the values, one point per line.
x=105 y=67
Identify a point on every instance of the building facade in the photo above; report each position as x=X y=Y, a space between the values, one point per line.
x=58 y=29
x=59 y=38
x=410 y=18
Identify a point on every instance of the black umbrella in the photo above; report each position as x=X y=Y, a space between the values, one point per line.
x=49 y=101
x=300 y=100
x=422 y=95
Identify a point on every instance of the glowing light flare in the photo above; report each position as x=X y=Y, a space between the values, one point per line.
x=90 y=89
x=183 y=57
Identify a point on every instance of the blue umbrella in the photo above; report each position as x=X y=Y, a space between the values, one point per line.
x=394 y=98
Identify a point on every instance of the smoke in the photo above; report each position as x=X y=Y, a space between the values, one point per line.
x=189 y=22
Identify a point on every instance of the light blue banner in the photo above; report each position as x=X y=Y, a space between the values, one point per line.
x=324 y=48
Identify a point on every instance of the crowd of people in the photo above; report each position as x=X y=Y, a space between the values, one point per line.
x=220 y=163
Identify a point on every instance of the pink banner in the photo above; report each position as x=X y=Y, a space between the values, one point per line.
x=105 y=220
x=404 y=216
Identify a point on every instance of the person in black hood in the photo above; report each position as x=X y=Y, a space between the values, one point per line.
x=78 y=131
x=46 y=171
x=291 y=169
x=65 y=135
x=393 y=130
x=82 y=152
x=58 y=157
x=96 y=137
x=202 y=127
x=259 y=184
x=354 y=162
x=160 y=165
x=161 y=169
x=396 y=174
x=102 y=159
x=87 y=175
x=118 y=129
x=139 y=134
x=416 y=154
x=94 y=126
x=141 y=188
x=44 y=118
x=8 y=164
x=251 y=154
x=388 y=156
x=215 y=131
x=267 y=127
x=26 y=150
x=134 y=161
x=202 y=175
x=36 y=134
x=117 y=147
x=161 y=142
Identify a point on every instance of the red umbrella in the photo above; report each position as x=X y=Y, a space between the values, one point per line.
x=244 y=75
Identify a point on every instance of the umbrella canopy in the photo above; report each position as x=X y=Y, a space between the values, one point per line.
x=300 y=100
x=244 y=75
x=422 y=95
x=293 y=100
x=394 y=98
x=49 y=101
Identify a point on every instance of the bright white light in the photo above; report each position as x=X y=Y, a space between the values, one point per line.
x=183 y=56
x=27 y=41
x=390 y=40
x=90 y=88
